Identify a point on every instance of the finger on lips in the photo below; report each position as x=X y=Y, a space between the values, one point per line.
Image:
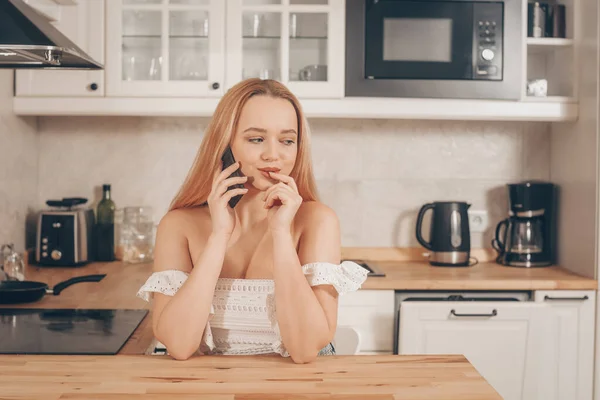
x=285 y=179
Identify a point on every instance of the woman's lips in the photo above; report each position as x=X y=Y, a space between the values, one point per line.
x=265 y=174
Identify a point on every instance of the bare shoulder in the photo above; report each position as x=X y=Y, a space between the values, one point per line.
x=313 y=215
x=320 y=239
x=185 y=219
x=177 y=230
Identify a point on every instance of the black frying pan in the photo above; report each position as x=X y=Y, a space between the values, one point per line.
x=13 y=292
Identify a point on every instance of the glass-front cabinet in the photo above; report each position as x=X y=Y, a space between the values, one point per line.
x=297 y=42
x=165 y=48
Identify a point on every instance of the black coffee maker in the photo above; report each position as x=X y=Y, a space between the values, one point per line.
x=450 y=238
x=528 y=237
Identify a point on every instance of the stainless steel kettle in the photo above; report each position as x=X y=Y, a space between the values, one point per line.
x=450 y=238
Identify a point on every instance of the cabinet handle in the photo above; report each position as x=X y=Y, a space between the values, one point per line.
x=215 y=85
x=492 y=314
x=566 y=298
x=94 y=86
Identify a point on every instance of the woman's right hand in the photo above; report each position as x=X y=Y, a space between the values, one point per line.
x=223 y=216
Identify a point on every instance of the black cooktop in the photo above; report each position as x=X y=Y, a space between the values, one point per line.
x=66 y=331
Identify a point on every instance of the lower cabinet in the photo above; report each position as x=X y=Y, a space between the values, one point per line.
x=566 y=356
x=540 y=349
x=365 y=323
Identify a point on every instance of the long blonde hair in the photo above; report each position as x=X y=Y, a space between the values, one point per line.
x=219 y=134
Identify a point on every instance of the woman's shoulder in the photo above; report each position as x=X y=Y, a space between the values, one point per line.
x=185 y=220
x=313 y=213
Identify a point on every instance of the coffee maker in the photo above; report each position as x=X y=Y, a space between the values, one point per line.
x=527 y=238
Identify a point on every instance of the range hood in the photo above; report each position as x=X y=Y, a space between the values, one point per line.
x=28 y=40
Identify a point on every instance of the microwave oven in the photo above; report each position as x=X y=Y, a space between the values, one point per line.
x=434 y=48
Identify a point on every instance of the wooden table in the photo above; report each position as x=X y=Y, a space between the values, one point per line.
x=241 y=377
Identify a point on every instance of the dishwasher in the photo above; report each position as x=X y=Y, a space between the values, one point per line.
x=498 y=332
x=457 y=297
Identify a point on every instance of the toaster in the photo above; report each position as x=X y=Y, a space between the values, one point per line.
x=65 y=234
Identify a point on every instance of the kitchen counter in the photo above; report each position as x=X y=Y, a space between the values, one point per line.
x=116 y=291
x=419 y=275
x=408 y=269
x=242 y=377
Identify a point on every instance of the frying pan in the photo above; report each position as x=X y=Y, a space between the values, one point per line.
x=13 y=292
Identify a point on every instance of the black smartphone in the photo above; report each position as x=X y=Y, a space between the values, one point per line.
x=228 y=160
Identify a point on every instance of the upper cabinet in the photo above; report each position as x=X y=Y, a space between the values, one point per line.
x=83 y=23
x=179 y=57
x=165 y=48
x=297 y=42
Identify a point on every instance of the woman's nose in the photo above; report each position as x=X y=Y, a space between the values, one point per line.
x=270 y=152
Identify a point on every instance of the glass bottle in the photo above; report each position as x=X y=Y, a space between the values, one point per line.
x=105 y=227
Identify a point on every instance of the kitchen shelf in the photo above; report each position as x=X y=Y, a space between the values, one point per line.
x=550 y=99
x=544 y=45
x=349 y=107
x=554 y=42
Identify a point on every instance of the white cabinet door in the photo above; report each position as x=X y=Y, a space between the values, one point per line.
x=370 y=314
x=498 y=338
x=300 y=43
x=83 y=23
x=567 y=357
x=165 y=48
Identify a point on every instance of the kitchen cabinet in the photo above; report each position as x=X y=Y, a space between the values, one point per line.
x=178 y=58
x=298 y=42
x=541 y=349
x=83 y=23
x=160 y=49
x=177 y=48
x=496 y=337
x=368 y=315
x=566 y=353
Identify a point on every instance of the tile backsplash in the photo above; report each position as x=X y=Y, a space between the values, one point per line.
x=375 y=173
x=18 y=167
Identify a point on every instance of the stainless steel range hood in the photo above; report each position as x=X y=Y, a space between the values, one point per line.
x=28 y=40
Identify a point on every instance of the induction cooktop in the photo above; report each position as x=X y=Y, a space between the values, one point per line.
x=66 y=331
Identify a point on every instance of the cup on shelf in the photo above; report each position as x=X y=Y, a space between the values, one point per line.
x=315 y=72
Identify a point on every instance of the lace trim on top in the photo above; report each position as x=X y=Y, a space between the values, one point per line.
x=242 y=314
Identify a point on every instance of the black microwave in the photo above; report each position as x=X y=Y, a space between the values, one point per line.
x=434 y=48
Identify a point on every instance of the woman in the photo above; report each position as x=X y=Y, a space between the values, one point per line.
x=220 y=273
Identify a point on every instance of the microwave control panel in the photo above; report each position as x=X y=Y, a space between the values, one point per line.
x=487 y=41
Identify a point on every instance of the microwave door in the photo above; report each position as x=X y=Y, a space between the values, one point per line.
x=419 y=40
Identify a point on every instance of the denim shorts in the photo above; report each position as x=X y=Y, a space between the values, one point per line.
x=328 y=350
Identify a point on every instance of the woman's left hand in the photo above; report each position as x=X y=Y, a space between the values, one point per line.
x=283 y=201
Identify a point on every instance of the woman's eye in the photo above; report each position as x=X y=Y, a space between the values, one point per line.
x=288 y=142
x=255 y=140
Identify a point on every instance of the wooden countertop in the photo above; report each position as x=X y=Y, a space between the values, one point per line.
x=241 y=377
x=116 y=291
x=419 y=275
x=408 y=269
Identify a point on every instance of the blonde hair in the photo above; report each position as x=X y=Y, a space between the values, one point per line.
x=219 y=134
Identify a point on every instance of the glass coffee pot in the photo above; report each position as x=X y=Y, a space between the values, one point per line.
x=520 y=236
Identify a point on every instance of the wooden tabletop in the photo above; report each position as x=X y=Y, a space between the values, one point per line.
x=241 y=377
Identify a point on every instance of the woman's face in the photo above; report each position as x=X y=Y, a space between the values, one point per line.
x=266 y=139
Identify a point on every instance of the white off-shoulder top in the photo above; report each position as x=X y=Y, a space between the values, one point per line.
x=242 y=318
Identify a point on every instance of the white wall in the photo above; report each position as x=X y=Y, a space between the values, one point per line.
x=574 y=159
x=374 y=173
x=18 y=167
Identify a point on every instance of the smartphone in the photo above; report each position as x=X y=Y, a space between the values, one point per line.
x=228 y=160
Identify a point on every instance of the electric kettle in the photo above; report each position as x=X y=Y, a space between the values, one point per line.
x=450 y=238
